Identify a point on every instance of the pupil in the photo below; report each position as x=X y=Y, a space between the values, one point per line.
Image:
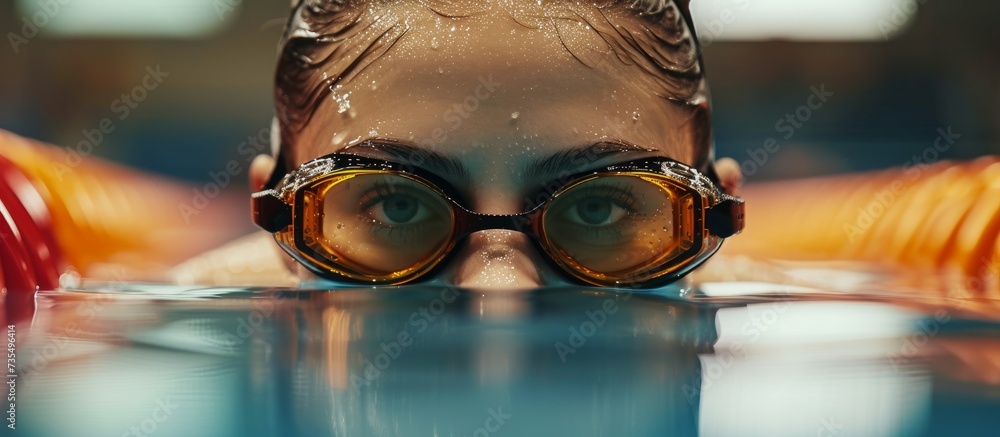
x=400 y=208
x=595 y=211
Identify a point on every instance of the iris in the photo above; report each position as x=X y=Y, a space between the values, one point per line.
x=400 y=208
x=594 y=211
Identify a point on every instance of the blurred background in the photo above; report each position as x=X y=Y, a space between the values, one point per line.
x=899 y=71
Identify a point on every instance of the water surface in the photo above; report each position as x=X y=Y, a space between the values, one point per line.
x=434 y=361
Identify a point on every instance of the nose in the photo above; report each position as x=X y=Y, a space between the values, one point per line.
x=498 y=259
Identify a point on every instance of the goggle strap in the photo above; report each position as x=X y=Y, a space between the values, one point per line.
x=280 y=170
x=269 y=211
x=726 y=218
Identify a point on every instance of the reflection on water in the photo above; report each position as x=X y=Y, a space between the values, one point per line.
x=170 y=361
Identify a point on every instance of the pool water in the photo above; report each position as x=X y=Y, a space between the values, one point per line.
x=434 y=361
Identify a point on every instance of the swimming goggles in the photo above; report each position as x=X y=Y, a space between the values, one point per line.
x=637 y=224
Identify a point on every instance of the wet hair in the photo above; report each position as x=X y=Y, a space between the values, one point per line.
x=316 y=38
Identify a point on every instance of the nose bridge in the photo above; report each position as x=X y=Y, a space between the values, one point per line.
x=497 y=258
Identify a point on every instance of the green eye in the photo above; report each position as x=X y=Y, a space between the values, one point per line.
x=595 y=211
x=399 y=208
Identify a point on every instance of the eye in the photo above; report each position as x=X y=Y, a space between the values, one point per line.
x=595 y=211
x=398 y=209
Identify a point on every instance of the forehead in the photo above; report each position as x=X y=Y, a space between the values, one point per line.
x=506 y=81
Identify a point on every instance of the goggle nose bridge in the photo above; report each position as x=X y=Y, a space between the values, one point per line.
x=469 y=222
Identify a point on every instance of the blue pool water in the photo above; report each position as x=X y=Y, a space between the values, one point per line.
x=425 y=361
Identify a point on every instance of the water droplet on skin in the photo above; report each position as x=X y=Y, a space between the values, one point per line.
x=340 y=226
x=514 y=115
x=441 y=70
x=452 y=28
x=341 y=98
x=635 y=116
x=435 y=44
x=338 y=138
x=374 y=86
x=352 y=113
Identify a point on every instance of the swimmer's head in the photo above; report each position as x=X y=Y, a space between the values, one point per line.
x=497 y=97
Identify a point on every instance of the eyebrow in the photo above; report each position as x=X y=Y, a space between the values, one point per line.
x=443 y=165
x=577 y=159
x=559 y=164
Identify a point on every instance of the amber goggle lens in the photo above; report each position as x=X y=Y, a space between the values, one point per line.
x=612 y=227
x=377 y=224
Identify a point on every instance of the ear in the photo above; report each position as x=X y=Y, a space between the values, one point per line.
x=730 y=176
x=260 y=171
